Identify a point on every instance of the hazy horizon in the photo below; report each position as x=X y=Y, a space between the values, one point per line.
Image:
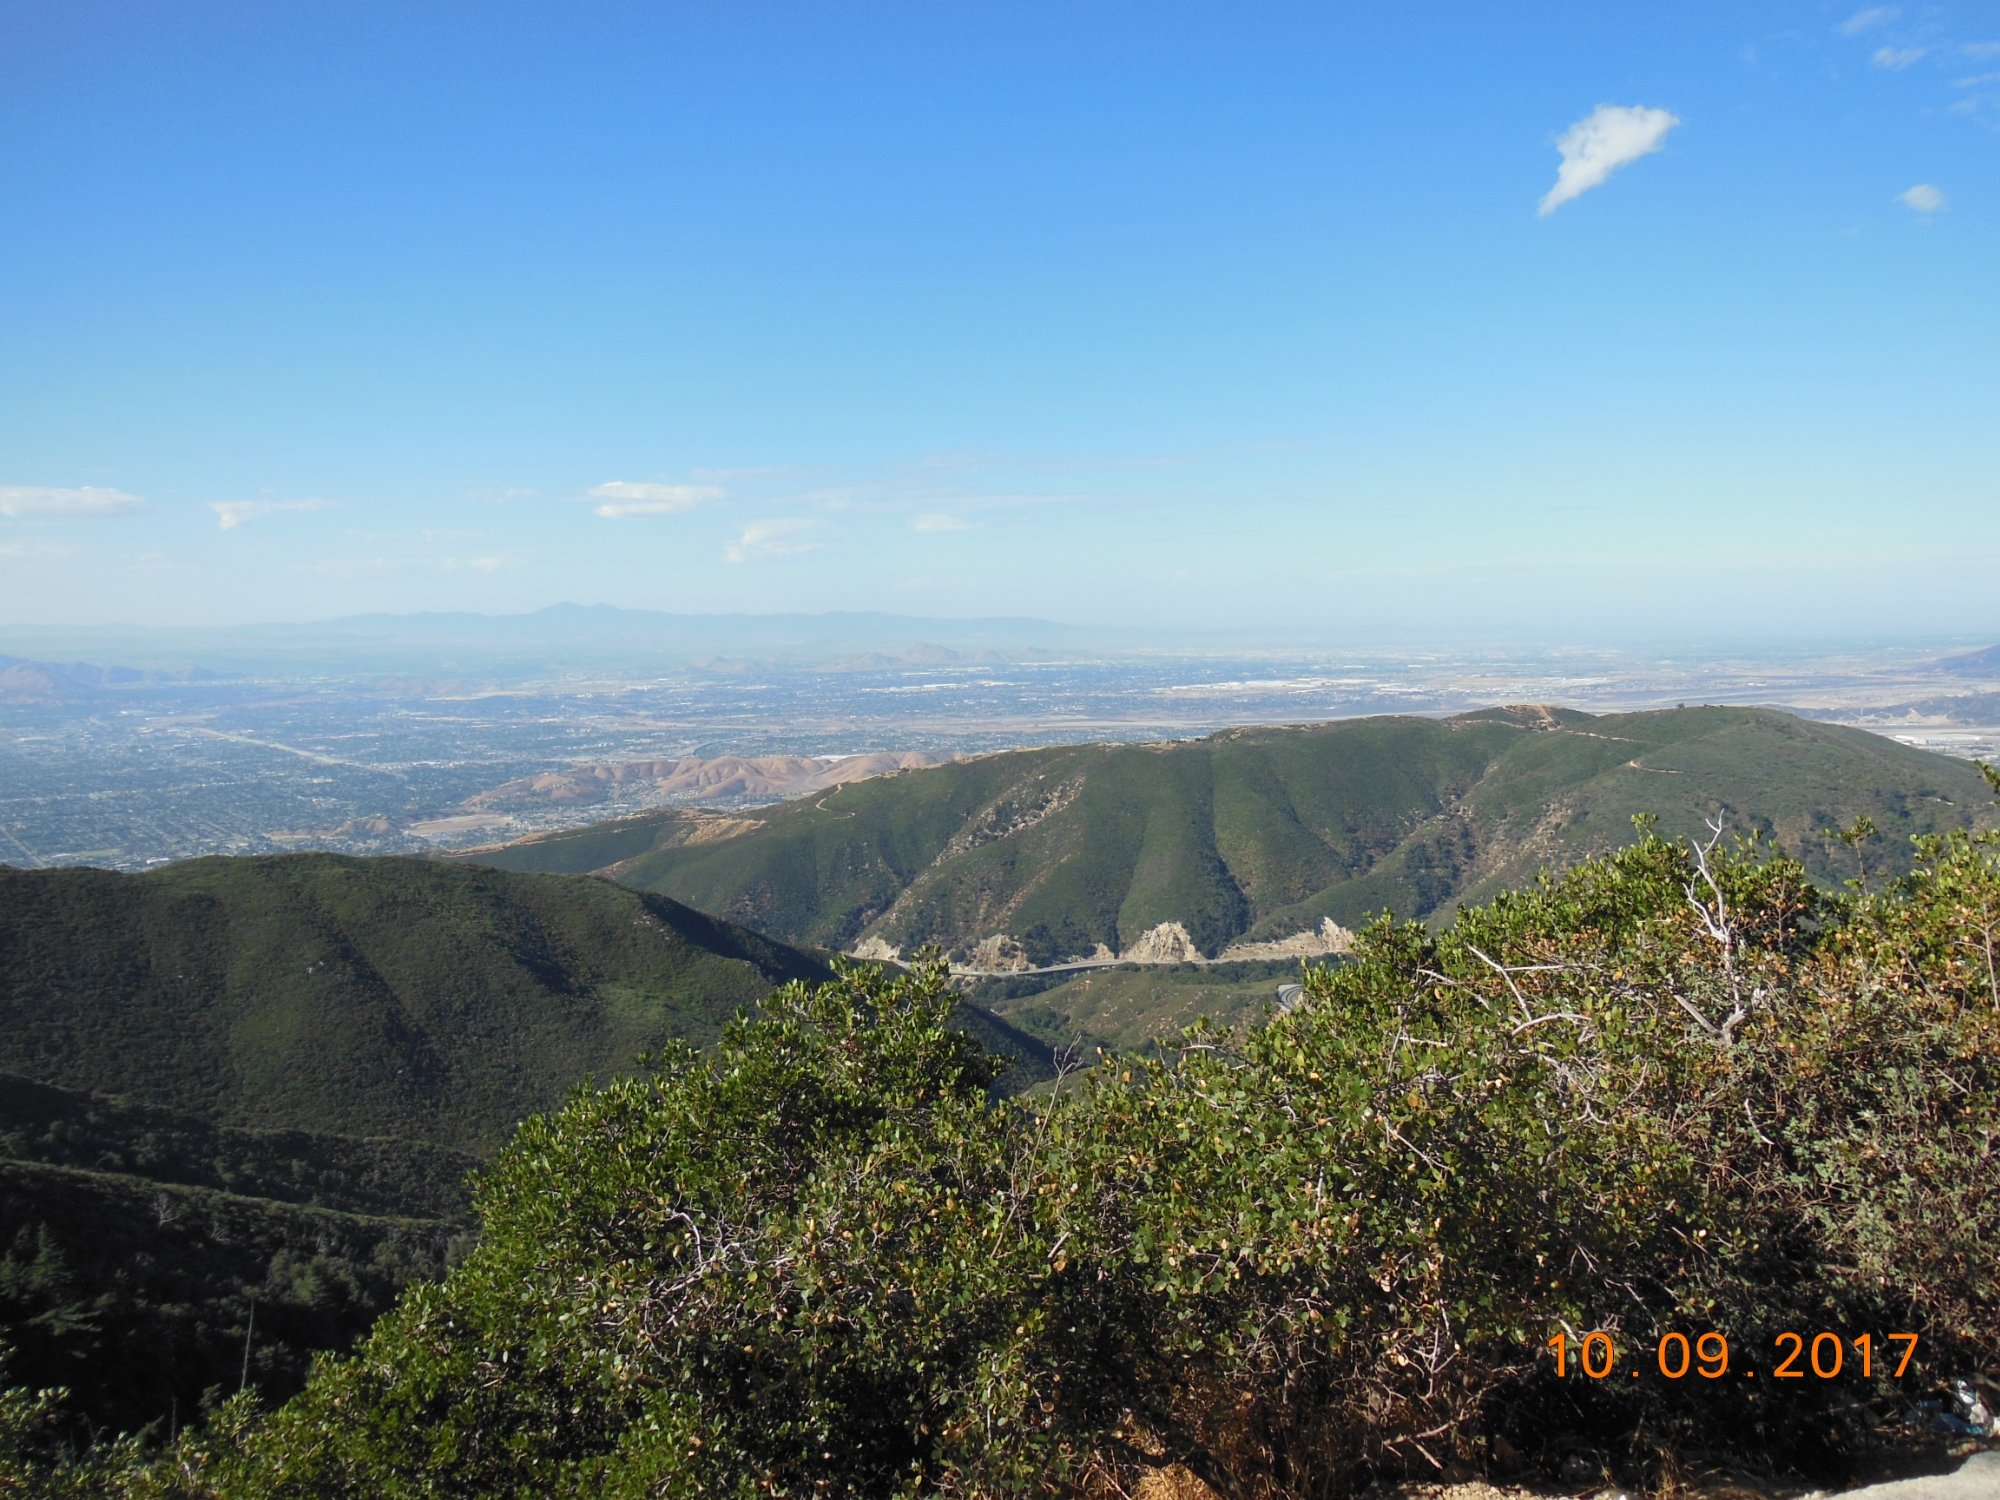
x=1778 y=642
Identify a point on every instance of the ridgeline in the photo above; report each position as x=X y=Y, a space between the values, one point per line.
x=1256 y=835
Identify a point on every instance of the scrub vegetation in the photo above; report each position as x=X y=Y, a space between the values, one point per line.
x=1679 y=1088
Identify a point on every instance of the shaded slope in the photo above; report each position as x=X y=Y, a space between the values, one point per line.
x=242 y=1082
x=137 y=1294
x=367 y=997
x=1258 y=834
x=74 y=1128
x=1981 y=663
x=138 y=1238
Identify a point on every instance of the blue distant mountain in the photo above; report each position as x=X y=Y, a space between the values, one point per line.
x=1982 y=663
x=587 y=635
x=22 y=678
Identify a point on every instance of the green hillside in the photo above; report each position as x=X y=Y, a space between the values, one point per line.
x=92 y=1132
x=1259 y=834
x=1130 y=1007
x=136 y=1294
x=137 y=1240
x=1352 y=1246
x=396 y=997
x=264 y=1081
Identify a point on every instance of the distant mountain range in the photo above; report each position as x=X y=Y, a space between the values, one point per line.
x=1982 y=663
x=1258 y=841
x=565 y=636
x=26 y=681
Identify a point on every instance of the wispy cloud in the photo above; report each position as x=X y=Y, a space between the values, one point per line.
x=1609 y=137
x=938 y=521
x=1977 y=81
x=1895 y=59
x=748 y=474
x=406 y=555
x=624 y=500
x=1980 y=51
x=24 y=500
x=627 y=510
x=1869 y=19
x=233 y=515
x=780 y=537
x=11 y=552
x=1924 y=198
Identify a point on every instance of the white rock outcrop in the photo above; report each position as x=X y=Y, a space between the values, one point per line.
x=1324 y=941
x=1167 y=943
x=1000 y=953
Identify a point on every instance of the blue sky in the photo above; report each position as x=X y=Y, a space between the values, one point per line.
x=1198 y=315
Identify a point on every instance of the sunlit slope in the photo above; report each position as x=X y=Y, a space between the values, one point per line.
x=1257 y=834
x=397 y=997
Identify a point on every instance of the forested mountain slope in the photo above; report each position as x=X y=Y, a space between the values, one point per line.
x=1260 y=834
x=240 y=1083
x=261 y=1083
x=397 y=997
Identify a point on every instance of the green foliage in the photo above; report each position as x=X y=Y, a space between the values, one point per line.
x=237 y=1015
x=1668 y=1091
x=1130 y=1007
x=1678 y=1088
x=1259 y=833
x=137 y=1296
x=372 y=1175
x=796 y=1264
x=397 y=997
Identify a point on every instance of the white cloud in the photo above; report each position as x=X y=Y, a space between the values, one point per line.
x=1600 y=143
x=1924 y=198
x=626 y=510
x=935 y=521
x=1977 y=81
x=624 y=500
x=18 y=500
x=231 y=515
x=773 y=538
x=1895 y=59
x=1869 y=19
x=1980 y=51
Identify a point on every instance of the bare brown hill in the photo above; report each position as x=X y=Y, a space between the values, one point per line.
x=721 y=778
